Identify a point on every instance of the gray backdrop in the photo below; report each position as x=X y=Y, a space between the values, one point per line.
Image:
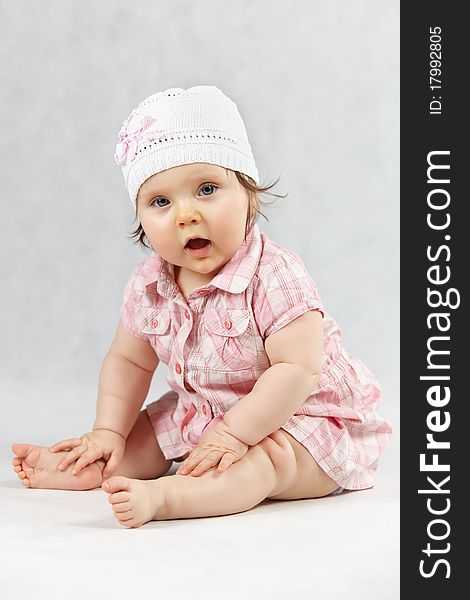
x=317 y=84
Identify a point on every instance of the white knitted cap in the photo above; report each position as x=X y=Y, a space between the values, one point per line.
x=179 y=127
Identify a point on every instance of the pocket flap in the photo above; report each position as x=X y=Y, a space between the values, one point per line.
x=153 y=320
x=228 y=322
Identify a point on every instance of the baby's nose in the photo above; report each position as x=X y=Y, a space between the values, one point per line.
x=189 y=215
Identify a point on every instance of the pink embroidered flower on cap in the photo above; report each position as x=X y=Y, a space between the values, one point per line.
x=133 y=131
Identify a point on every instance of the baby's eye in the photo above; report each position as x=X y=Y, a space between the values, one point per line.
x=155 y=202
x=208 y=186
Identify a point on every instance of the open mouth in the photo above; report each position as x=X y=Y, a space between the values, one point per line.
x=197 y=243
x=198 y=247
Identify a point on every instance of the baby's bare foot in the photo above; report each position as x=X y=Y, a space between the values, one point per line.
x=36 y=467
x=135 y=502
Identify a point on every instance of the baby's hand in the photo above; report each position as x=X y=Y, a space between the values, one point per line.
x=90 y=447
x=216 y=447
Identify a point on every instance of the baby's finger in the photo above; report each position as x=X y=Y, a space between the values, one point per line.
x=112 y=464
x=206 y=463
x=82 y=462
x=65 y=444
x=226 y=462
x=71 y=457
x=188 y=464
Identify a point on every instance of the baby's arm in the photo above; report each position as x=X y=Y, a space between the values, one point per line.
x=295 y=353
x=124 y=382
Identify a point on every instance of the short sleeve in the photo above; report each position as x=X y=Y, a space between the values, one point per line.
x=129 y=302
x=284 y=292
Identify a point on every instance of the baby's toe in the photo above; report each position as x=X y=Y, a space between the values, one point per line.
x=22 y=451
x=121 y=507
x=126 y=521
x=119 y=497
x=26 y=462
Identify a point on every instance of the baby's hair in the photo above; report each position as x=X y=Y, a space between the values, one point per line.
x=253 y=207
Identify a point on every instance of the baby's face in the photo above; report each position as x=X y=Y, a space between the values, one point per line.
x=200 y=200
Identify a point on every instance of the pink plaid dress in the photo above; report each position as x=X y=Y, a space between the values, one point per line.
x=213 y=345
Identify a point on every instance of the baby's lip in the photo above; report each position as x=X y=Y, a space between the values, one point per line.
x=194 y=237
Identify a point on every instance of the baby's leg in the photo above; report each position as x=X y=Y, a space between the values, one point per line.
x=267 y=469
x=143 y=459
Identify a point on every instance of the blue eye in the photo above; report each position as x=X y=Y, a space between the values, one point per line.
x=204 y=187
x=208 y=185
x=157 y=200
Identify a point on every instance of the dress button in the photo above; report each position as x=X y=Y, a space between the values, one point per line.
x=178 y=368
x=186 y=314
x=204 y=409
x=228 y=325
x=202 y=292
x=154 y=323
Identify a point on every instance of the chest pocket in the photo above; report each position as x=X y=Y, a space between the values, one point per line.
x=228 y=341
x=156 y=323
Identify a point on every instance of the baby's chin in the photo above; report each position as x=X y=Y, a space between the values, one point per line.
x=206 y=268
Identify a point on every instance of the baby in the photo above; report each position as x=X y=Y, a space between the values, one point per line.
x=264 y=401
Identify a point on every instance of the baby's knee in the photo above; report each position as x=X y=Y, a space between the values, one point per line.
x=282 y=456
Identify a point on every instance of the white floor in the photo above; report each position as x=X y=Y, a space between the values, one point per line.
x=64 y=544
